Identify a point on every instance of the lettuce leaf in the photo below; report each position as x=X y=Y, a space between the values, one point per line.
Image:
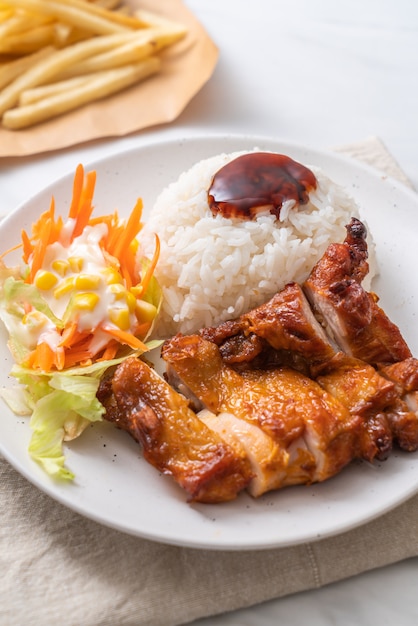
x=62 y=405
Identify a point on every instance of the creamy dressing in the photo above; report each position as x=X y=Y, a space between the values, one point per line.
x=78 y=284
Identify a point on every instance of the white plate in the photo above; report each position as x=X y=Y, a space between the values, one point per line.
x=116 y=487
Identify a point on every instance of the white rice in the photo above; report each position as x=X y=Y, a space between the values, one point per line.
x=212 y=269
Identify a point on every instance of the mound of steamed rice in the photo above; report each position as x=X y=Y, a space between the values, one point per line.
x=212 y=269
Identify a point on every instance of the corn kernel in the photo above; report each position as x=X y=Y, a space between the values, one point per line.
x=86 y=301
x=87 y=281
x=45 y=280
x=64 y=287
x=145 y=312
x=121 y=318
x=112 y=276
x=117 y=290
x=60 y=266
x=130 y=301
x=137 y=290
x=76 y=263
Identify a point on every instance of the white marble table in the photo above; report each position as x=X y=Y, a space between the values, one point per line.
x=319 y=73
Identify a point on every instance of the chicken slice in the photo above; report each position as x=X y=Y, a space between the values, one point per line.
x=285 y=324
x=350 y=314
x=359 y=387
x=404 y=416
x=268 y=460
x=315 y=429
x=356 y=384
x=173 y=438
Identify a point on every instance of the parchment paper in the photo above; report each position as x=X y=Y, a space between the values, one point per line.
x=187 y=65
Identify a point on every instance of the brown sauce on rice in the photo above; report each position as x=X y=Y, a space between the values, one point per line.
x=259 y=182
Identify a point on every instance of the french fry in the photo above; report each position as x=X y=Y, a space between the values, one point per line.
x=82 y=14
x=28 y=41
x=150 y=19
x=110 y=5
x=46 y=69
x=144 y=44
x=57 y=55
x=10 y=71
x=104 y=85
x=19 y=22
x=29 y=96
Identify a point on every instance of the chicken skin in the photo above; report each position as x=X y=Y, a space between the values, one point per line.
x=360 y=388
x=404 y=420
x=350 y=314
x=282 y=330
x=287 y=394
x=173 y=438
x=316 y=434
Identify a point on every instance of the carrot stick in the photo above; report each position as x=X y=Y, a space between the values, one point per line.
x=59 y=359
x=110 y=351
x=39 y=250
x=85 y=207
x=142 y=329
x=27 y=246
x=44 y=357
x=16 y=247
x=125 y=338
x=151 y=267
x=77 y=190
x=69 y=335
x=78 y=358
x=130 y=231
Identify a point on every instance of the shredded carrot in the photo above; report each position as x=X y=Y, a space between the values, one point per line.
x=125 y=338
x=59 y=360
x=68 y=334
x=3 y=254
x=39 y=251
x=78 y=353
x=71 y=336
x=77 y=191
x=122 y=243
x=77 y=358
x=142 y=329
x=27 y=246
x=44 y=357
x=110 y=351
x=150 y=269
x=85 y=207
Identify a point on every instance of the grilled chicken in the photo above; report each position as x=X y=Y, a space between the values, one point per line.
x=173 y=438
x=349 y=313
x=268 y=460
x=289 y=393
x=283 y=330
x=315 y=434
x=361 y=328
x=360 y=388
x=403 y=417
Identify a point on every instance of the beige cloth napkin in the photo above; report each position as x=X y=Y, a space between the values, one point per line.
x=60 y=568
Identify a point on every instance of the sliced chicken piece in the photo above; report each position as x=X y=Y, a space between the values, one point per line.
x=404 y=417
x=404 y=374
x=360 y=388
x=268 y=460
x=357 y=385
x=285 y=324
x=350 y=314
x=173 y=438
x=315 y=429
